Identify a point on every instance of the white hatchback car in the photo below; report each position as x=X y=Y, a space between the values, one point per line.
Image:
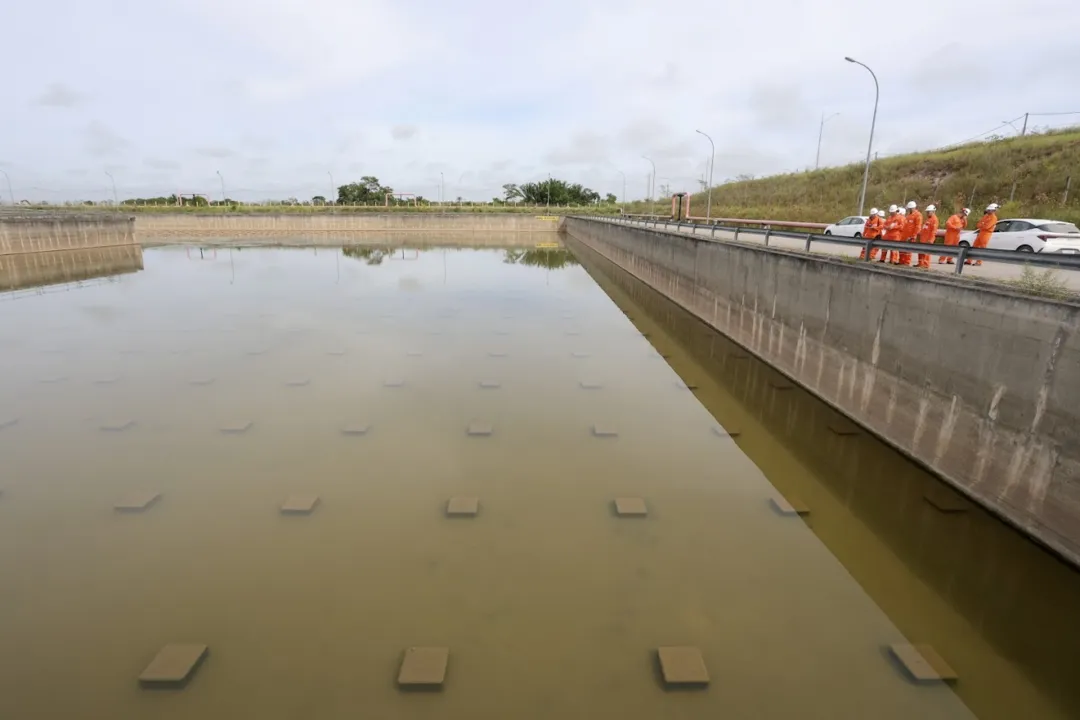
x=848 y=227
x=1028 y=235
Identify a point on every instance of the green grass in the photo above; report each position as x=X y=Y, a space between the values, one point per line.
x=1044 y=284
x=1038 y=164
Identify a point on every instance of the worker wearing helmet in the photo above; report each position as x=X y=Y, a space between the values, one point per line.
x=912 y=226
x=953 y=226
x=927 y=235
x=986 y=226
x=894 y=226
x=871 y=230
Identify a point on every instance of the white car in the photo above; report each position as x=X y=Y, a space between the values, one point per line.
x=848 y=227
x=1028 y=235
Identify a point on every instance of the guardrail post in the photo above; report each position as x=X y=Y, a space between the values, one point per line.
x=961 y=259
x=869 y=247
x=768 y=230
x=736 y=232
x=713 y=233
x=808 y=240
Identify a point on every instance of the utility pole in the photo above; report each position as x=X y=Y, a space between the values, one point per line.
x=1024 y=131
x=652 y=182
x=11 y=194
x=873 y=123
x=712 y=160
x=222 y=179
x=623 y=197
x=821 y=131
x=333 y=195
x=116 y=201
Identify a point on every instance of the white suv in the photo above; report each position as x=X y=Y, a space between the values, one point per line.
x=848 y=227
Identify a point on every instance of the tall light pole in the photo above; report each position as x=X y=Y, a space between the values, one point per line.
x=820 y=132
x=442 y=189
x=873 y=122
x=712 y=160
x=115 y=200
x=11 y=194
x=652 y=182
x=222 y=179
x=333 y=197
x=623 y=197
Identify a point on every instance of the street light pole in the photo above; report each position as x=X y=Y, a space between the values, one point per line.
x=623 y=198
x=222 y=179
x=442 y=189
x=652 y=182
x=712 y=161
x=116 y=201
x=821 y=131
x=11 y=194
x=873 y=122
x=333 y=197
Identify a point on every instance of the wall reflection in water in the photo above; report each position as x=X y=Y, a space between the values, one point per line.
x=1002 y=608
x=26 y=271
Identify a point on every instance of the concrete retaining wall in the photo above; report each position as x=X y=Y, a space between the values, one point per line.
x=26 y=270
x=155 y=228
x=47 y=232
x=979 y=385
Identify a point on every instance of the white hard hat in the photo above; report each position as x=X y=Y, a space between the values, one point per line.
x=881 y=213
x=931 y=208
x=992 y=206
x=967 y=211
x=892 y=208
x=873 y=211
x=911 y=205
x=902 y=211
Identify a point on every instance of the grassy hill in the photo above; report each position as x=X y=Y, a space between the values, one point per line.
x=1038 y=164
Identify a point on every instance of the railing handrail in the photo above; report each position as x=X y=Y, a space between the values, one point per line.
x=961 y=252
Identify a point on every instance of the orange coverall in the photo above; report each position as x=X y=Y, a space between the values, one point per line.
x=870 y=231
x=894 y=225
x=912 y=226
x=986 y=229
x=927 y=235
x=953 y=226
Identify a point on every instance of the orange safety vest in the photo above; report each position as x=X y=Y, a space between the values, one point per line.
x=953 y=226
x=872 y=228
x=986 y=226
x=893 y=225
x=912 y=225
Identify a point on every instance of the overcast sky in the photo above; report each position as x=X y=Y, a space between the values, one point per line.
x=276 y=94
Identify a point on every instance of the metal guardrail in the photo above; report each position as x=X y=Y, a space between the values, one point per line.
x=960 y=252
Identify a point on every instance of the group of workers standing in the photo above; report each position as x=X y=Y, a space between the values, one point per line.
x=909 y=225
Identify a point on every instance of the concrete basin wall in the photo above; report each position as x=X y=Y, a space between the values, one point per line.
x=155 y=228
x=980 y=385
x=48 y=232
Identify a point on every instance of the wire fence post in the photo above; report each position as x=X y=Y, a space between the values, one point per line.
x=1065 y=197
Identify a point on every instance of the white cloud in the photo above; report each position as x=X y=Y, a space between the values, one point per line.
x=60 y=95
x=100 y=141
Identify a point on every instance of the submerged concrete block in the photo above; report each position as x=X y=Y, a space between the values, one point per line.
x=299 y=504
x=725 y=433
x=236 y=428
x=479 y=429
x=922 y=663
x=355 y=429
x=8 y=422
x=631 y=507
x=603 y=431
x=683 y=666
x=201 y=381
x=173 y=665
x=137 y=502
x=462 y=506
x=589 y=385
x=789 y=506
x=394 y=383
x=423 y=667
x=490 y=384
x=117 y=425
x=298 y=382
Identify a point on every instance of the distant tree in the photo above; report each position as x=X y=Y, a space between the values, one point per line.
x=557 y=192
x=511 y=192
x=318 y=200
x=610 y=199
x=368 y=190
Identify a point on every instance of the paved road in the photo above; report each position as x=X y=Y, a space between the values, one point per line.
x=988 y=270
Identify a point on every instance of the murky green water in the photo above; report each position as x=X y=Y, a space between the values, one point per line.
x=551 y=606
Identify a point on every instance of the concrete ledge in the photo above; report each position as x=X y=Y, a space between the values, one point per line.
x=976 y=384
x=48 y=232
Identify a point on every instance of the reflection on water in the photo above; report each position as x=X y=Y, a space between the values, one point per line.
x=227 y=383
x=23 y=271
x=998 y=606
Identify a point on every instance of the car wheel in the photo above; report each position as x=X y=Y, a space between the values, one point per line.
x=828 y=232
x=858 y=235
x=1024 y=248
x=965 y=243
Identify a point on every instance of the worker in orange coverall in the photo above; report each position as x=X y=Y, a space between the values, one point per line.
x=912 y=226
x=953 y=226
x=894 y=225
x=985 y=227
x=871 y=230
x=927 y=235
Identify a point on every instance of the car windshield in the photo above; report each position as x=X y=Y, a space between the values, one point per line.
x=1060 y=227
